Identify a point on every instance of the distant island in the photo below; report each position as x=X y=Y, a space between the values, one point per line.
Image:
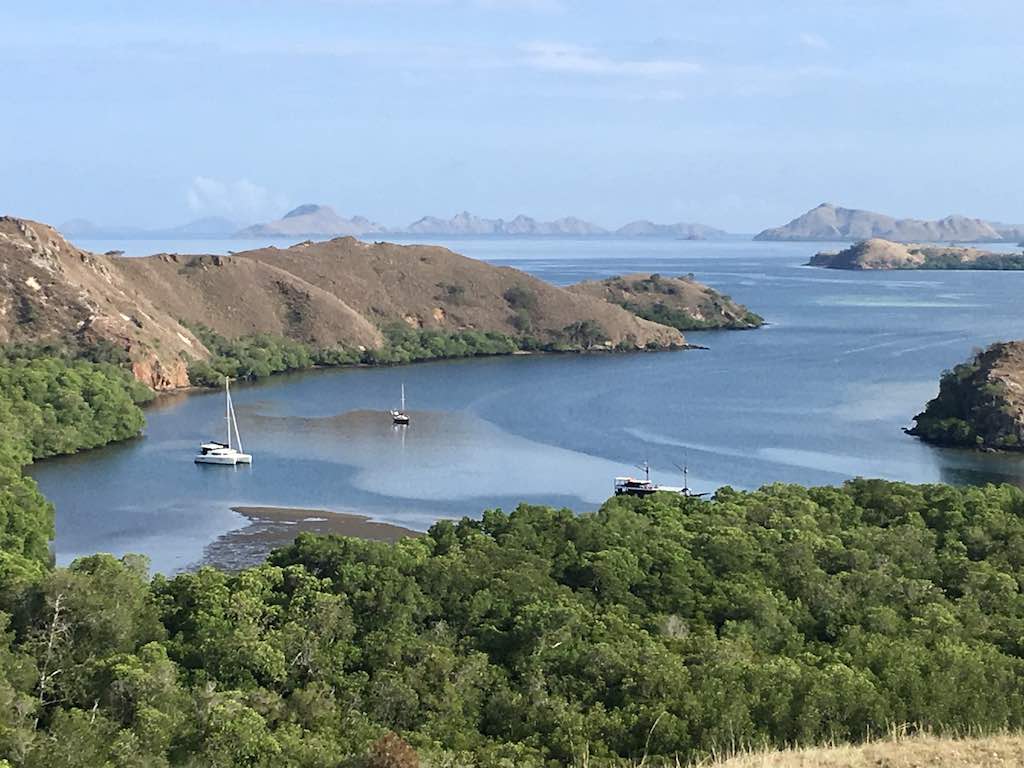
x=980 y=403
x=314 y=220
x=209 y=226
x=341 y=301
x=885 y=254
x=829 y=222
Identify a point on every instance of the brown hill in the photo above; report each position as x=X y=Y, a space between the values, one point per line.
x=877 y=253
x=681 y=302
x=337 y=292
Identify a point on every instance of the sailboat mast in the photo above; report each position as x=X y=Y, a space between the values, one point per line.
x=227 y=407
x=403 y=397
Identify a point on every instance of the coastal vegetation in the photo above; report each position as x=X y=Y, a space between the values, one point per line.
x=52 y=405
x=657 y=630
x=259 y=356
x=979 y=404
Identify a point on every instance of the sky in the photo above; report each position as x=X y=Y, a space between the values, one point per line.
x=733 y=113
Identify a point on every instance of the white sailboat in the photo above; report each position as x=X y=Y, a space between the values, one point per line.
x=400 y=416
x=225 y=453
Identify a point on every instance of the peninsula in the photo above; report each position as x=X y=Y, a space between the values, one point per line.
x=980 y=403
x=877 y=253
x=164 y=313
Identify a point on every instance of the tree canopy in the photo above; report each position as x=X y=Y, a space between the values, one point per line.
x=664 y=626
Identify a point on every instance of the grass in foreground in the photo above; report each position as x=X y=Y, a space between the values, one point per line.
x=917 y=751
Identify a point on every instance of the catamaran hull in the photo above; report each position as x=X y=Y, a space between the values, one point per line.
x=241 y=458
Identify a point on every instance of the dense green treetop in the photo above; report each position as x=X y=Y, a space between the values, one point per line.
x=667 y=626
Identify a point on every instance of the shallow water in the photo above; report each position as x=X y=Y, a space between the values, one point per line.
x=817 y=397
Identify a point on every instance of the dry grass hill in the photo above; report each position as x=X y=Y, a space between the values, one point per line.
x=341 y=291
x=1002 y=751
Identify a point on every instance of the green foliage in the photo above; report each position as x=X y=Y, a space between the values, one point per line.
x=951 y=260
x=665 y=626
x=52 y=405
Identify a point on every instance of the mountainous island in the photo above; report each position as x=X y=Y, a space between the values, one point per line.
x=312 y=221
x=830 y=222
x=877 y=253
x=980 y=403
x=680 y=302
x=162 y=311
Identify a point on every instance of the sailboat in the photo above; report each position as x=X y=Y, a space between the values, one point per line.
x=400 y=416
x=225 y=453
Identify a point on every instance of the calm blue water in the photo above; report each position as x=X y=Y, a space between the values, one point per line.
x=817 y=397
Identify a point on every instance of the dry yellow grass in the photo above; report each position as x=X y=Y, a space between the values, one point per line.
x=922 y=751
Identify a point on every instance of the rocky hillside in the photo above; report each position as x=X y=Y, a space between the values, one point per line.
x=339 y=292
x=980 y=403
x=831 y=222
x=885 y=254
x=680 y=302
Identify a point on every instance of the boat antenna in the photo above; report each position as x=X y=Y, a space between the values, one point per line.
x=685 y=470
x=646 y=467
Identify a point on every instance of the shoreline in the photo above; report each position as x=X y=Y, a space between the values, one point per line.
x=196 y=389
x=267 y=528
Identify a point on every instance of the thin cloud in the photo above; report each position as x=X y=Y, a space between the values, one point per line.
x=812 y=40
x=240 y=200
x=564 y=57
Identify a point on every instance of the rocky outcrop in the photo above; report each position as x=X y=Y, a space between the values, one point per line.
x=831 y=222
x=980 y=403
x=884 y=254
x=680 y=302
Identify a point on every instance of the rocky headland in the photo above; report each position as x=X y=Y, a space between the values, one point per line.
x=878 y=253
x=980 y=403
x=680 y=302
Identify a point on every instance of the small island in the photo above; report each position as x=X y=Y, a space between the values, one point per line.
x=678 y=302
x=980 y=403
x=877 y=253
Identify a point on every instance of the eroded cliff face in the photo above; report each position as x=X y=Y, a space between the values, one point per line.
x=53 y=292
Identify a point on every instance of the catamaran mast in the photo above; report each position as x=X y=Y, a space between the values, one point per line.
x=227 y=407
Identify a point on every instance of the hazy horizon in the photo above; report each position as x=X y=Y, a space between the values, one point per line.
x=740 y=116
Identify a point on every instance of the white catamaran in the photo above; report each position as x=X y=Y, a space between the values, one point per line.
x=224 y=453
x=400 y=416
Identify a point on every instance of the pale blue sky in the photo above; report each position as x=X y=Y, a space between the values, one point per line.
x=739 y=114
